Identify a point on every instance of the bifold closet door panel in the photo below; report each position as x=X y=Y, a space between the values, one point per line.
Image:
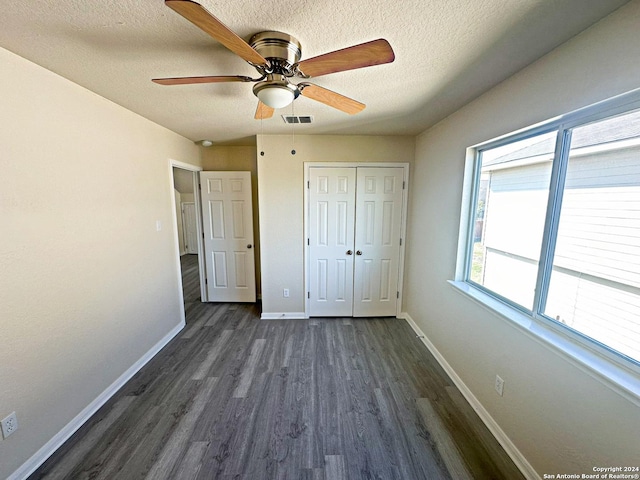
x=332 y=194
x=377 y=240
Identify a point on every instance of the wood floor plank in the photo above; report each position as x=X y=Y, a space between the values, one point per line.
x=247 y=374
x=132 y=450
x=67 y=463
x=175 y=447
x=443 y=441
x=486 y=458
x=189 y=468
x=334 y=467
x=329 y=419
x=234 y=397
x=203 y=314
x=214 y=351
x=221 y=439
x=217 y=314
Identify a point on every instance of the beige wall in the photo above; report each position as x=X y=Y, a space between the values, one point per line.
x=562 y=419
x=281 y=200
x=243 y=159
x=87 y=284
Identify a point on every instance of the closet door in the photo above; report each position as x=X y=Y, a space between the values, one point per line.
x=332 y=194
x=377 y=240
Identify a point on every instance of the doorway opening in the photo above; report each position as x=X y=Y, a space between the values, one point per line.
x=187 y=231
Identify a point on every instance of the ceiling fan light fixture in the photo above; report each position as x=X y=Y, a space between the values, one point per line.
x=276 y=94
x=276 y=97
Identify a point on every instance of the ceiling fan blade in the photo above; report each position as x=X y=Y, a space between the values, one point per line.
x=263 y=111
x=333 y=99
x=200 y=17
x=367 y=54
x=193 y=80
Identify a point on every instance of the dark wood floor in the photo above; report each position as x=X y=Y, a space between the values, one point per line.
x=234 y=397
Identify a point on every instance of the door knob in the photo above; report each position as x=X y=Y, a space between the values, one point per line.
x=249 y=246
x=349 y=252
x=358 y=252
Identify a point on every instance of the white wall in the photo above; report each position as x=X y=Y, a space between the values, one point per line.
x=560 y=418
x=87 y=284
x=281 y=202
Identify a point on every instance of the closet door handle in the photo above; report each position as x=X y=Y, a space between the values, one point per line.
x=358 y=252
x=349 y=252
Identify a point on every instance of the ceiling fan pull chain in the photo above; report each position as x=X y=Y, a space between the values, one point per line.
x=293 y=129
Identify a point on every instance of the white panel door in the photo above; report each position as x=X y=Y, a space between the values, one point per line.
x=331 y=238
x=189 y=227
x=228 y=236
x=377 y=241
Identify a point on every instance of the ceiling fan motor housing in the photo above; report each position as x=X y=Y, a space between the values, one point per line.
x=281 y=49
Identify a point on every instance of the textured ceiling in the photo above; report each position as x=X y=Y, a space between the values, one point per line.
x=447 y=53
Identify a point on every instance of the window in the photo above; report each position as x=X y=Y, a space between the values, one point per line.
x=554 y=228
x=510 y=214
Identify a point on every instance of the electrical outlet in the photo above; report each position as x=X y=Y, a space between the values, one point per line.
x=285 y=293
x=499 y=386
x=9 y=424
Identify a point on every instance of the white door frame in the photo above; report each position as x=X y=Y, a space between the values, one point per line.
x=403 y=227
x=196 y=195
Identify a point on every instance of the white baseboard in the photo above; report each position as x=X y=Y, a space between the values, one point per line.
x=283 y=316
x=502 y=438
x=63 y=435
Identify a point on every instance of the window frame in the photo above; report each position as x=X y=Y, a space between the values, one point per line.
x=613 y=365
x=477 y=174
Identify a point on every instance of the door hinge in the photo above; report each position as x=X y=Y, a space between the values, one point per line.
x=206 y=282
x=400 y=242
x=308 y=294
x=403 y=184
x=200 y=186
x=397 y=294
x=308 y=242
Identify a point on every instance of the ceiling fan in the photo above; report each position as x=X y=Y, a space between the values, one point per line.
x=276 y=57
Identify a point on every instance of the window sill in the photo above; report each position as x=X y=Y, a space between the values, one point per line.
x=619 y=379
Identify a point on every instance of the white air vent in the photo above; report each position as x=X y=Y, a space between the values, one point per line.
x=297 y=118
